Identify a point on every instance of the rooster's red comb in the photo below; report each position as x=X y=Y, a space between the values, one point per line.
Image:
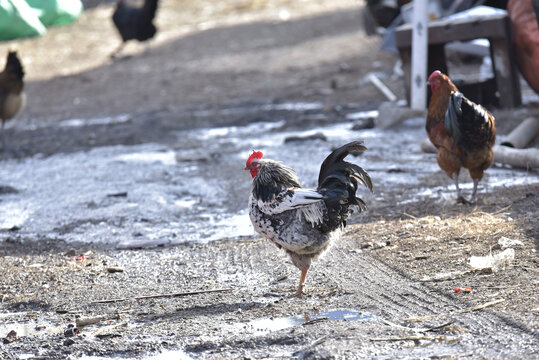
x=435 y=74
x=254 y=155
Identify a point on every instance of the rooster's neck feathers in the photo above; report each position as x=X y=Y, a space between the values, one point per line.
x=439 y=102
x=272 y=178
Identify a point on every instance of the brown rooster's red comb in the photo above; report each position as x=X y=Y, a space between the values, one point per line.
x=435 y=74
x=254 y=155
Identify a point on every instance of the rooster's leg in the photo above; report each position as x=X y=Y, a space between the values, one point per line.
x=299 y=292
x=460 y=198
x=117 y=51
x=473 y=199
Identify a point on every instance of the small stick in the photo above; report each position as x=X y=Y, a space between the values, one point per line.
x=188 y=293
x=315 y=320
x=502 y=209
x=382 y=87
x=438 y=327
x=417 y=338
x=470 y=309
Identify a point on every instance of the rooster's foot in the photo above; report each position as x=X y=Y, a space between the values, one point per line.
x=298 y=294
x=462 y=200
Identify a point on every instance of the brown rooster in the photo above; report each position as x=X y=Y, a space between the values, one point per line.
x=12 y=97
x=304 y=221
x=462 y=131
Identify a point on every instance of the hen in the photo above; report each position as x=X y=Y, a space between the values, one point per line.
x=12 y=97
x=134 y=23
x=462 y=131
x=304 y=221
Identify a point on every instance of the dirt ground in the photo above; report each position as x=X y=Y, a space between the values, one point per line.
x=365 y=297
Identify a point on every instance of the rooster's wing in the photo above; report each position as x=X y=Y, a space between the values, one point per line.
x=308 y=201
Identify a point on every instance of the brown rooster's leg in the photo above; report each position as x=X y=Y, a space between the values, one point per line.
x=460 y=198
x=473 y=199
x=299 y=292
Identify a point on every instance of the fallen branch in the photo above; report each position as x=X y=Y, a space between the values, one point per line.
x=470 y=309
x=188 y=293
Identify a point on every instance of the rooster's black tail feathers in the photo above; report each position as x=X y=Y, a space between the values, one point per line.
x=469 y=124
x=339 y=181
x=14 y=66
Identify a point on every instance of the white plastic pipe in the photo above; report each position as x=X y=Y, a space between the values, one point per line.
x=419 y=54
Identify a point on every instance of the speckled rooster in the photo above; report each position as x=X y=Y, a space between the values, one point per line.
x=305 y=221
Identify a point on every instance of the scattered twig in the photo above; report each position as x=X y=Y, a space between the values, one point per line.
x=188 y=293
x=438 y=327
x=419 y=337
x=314 y=321
x=502 y=209
x=85 y=321
x=470 y=309
x=410 y=216
x=387 y=322
x=115 y=269
x=319 y=340
x=106 y=331
x=445 y=276
x=382 y=87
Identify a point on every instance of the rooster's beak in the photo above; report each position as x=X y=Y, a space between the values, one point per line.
x=246 y=168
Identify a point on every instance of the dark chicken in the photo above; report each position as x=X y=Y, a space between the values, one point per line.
x=305 y=221
x=12 y=97
x=462 y=131
x=134 y=23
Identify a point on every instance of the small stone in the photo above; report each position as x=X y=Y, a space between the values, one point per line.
x=71 y=252
x=317 y=136
x=367 y=123
x=11 y=337
x=381 y=244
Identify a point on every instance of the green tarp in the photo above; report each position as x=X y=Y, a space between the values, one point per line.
x=24 y=18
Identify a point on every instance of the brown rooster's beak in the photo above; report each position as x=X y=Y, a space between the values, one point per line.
x=246 y=168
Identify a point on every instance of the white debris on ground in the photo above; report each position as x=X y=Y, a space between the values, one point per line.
x=505 y=243
x=494 y=262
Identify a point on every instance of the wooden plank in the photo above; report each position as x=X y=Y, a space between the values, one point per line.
x=443 y=31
